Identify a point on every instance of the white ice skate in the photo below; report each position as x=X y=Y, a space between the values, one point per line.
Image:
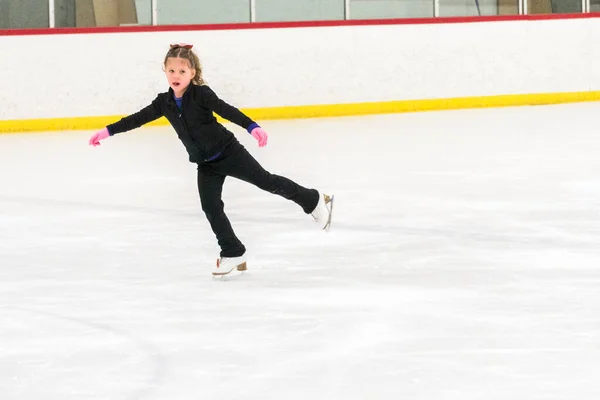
x=322 y=213
x=225 y=265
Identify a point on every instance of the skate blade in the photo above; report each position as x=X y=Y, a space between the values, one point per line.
x=232 y=276
x=330 y=203
x=239 y=270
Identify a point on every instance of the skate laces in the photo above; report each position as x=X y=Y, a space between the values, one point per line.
x=316 y=214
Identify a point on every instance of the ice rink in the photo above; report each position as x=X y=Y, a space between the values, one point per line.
x=463 y=263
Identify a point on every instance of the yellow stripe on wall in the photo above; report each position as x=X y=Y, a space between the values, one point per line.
x=327 y=110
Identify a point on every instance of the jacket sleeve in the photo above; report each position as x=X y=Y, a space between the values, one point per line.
x=210 y=100
x=142 y=117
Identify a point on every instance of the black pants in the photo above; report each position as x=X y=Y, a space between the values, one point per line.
x=238 y=163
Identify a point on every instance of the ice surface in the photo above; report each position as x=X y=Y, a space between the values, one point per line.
x=463 y=263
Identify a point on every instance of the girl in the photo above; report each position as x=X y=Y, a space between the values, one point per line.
x=188 y=106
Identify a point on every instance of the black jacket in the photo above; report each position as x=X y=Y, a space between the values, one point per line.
x=196 y=126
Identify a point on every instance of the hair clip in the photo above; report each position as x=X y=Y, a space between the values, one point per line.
x=184 y=45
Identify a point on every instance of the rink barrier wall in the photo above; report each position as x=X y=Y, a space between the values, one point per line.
x=296 y=24
x=322 y=111
x=448 y=63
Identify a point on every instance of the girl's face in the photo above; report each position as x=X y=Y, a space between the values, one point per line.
x=179 y=74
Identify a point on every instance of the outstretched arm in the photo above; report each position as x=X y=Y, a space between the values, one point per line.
x=142 y=117
x=211 y=101
x=145 y=115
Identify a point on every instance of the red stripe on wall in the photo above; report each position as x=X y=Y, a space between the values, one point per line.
x=298 y=24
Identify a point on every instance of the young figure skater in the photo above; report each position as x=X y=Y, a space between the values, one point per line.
x=188 y=106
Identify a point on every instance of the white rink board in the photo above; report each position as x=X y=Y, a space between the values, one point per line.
x=56 y=76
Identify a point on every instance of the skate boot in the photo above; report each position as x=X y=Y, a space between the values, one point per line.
x=322 y=213
x=227 y=264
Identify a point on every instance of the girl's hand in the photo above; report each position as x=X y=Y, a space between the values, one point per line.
x=261 y=135
x=98 y=136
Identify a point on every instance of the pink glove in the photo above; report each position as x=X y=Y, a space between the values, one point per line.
x=98 y=136
x=260 y=135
